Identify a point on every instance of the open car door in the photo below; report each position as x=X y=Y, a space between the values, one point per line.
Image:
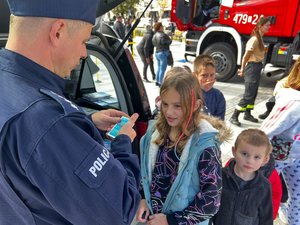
x=102 y=81
x=182 y=13
x=194 y=14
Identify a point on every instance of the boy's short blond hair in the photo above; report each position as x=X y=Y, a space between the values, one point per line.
x=202 y=61
x=255 y=137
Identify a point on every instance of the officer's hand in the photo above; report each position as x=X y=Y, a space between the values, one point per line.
x=128 y=127
x=105 y=119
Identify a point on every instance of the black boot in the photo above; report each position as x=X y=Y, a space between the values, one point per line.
x=235 y=118
x=152 y=70
x=153 y=76
x=269 y=106
x=249 y=117
x=146 y=79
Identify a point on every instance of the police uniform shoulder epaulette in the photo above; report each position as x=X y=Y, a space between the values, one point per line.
x=67 y=105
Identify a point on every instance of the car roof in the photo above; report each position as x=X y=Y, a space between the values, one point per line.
x=4 y=17
x=107 y=5
x=104 y=7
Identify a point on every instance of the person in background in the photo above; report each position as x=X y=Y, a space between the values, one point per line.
x=180 y=158
x=283 y=123
x=119 y=27
x=146 y=49
x=214 y=101
x=54 y=166
x=280 y=84
x=161 y=42
x=252 y=63
x=210 y=10
x=112 y=21
x=205 y=11
x=271 y=101
x=127 y=29
x=246 y=193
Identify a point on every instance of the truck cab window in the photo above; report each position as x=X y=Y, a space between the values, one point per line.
x=184 y=10
x=204 y=11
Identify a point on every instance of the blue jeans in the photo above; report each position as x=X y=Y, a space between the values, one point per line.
x=161 y=58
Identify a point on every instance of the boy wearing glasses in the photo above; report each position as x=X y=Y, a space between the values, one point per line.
x=214 y=102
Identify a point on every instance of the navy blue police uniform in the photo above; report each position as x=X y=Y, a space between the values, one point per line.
x=53 y=166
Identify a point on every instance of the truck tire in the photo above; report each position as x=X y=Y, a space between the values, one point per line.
x=225 y=60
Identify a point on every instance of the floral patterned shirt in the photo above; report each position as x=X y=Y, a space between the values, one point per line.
x=205 y=203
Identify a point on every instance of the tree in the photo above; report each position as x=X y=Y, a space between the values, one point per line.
x=163 y=4
x=127 y=8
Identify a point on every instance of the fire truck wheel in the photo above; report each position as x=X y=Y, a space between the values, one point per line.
x=225 y=60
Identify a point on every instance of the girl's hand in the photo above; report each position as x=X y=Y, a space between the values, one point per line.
x=142 y=212
x=240 y=72
x=158 y=219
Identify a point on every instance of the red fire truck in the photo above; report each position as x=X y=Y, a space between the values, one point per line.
x=222 y=30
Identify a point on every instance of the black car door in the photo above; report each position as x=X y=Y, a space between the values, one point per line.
x=108 y=80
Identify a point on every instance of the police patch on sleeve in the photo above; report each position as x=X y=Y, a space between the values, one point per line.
x=95 y=167
x=67 y=105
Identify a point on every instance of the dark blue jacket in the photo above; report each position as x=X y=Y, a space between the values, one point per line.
x=215 y=102
x=250 y=204
x=53 y=166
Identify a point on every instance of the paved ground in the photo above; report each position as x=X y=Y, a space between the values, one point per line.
x=232 y=91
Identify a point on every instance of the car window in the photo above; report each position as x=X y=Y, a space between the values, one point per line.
x=97 y=84
x=154 y=15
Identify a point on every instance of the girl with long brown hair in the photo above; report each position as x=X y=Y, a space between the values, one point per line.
x=180 y=157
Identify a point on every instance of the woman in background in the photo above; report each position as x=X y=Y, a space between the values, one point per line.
x=161 y=42
x=146 y=49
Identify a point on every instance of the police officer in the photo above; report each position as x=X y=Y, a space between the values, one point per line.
x=53 y=166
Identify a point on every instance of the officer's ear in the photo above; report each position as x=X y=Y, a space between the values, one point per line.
x=57 y=28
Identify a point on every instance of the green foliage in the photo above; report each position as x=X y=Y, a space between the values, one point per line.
x=124 y=8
